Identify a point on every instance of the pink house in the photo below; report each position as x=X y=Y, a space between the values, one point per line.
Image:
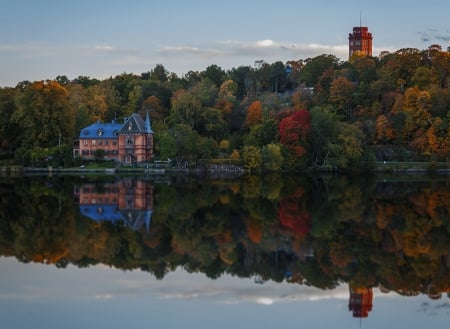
x=130 y=142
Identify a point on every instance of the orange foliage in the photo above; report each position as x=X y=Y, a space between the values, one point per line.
x=384 y=215
x=340 y=255
x=254 y=114
x=176 y=247
x=384 y=129
x=224 y=105
x=51 y=256
x=254 y=230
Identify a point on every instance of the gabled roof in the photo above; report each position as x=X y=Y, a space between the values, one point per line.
x=101 y=130
x=135 y=124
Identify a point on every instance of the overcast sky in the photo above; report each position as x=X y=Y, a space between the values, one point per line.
x=41 y=39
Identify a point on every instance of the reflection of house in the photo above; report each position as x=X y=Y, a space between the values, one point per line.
x=130 y=142
x=360 y=302
x=129 y=201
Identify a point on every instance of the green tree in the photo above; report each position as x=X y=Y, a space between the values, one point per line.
x=214 y=73
x=348 y=148
x=324 y=132
x=186 y=109
x=315 y=67
x=272 y=158
x=9 y=130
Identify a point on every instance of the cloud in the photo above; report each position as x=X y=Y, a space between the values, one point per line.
x=271 y=49
x=104 y=48
x=434 y=35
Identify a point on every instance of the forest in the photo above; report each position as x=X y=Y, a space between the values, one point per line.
x=317 y=112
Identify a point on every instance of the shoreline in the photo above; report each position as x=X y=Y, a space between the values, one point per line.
x=378 y=167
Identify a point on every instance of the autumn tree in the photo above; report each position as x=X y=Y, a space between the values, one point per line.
x=44 y=115
x=341 y=91
x=226 y=99
x=294 y=132
x=254 y=114
x=385 y=133
x=272 y=157
x=152 y=105
x=251 y=156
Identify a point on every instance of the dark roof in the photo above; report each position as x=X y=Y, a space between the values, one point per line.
x=135 y=124
x=101 y=130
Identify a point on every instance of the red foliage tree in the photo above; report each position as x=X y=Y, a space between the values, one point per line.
x=294 y=131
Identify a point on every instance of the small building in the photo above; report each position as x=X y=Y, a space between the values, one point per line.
x=130 y=142
x=360 y=41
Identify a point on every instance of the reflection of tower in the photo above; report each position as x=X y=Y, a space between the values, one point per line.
x=360 y=302
x=136 y=202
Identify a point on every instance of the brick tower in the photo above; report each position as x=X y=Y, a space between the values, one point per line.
x=360 y=41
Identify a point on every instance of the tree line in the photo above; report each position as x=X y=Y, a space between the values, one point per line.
x=314 y=112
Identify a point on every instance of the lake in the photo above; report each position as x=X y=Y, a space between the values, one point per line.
x=266 y=251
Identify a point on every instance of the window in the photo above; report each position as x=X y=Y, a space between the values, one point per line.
x=130 y=140
x=85 y=142
x=94 y=142
x=106 y=142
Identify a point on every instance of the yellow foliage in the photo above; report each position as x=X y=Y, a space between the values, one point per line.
x=224 y=144
x=235 y=155
x=224 y=198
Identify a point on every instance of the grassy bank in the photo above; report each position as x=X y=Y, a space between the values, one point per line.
x=411 y=167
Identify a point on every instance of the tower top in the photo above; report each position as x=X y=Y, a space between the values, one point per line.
x=360 y=41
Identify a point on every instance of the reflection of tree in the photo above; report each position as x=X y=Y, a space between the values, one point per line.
x=320 y=232
x=293 y=215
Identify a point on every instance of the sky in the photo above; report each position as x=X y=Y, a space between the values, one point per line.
x=42 y=296
x=41 y=39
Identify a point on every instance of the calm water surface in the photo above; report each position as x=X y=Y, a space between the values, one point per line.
x=258 y=252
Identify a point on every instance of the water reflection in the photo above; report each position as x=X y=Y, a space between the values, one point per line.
x=389 y=234
x=129 y=201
